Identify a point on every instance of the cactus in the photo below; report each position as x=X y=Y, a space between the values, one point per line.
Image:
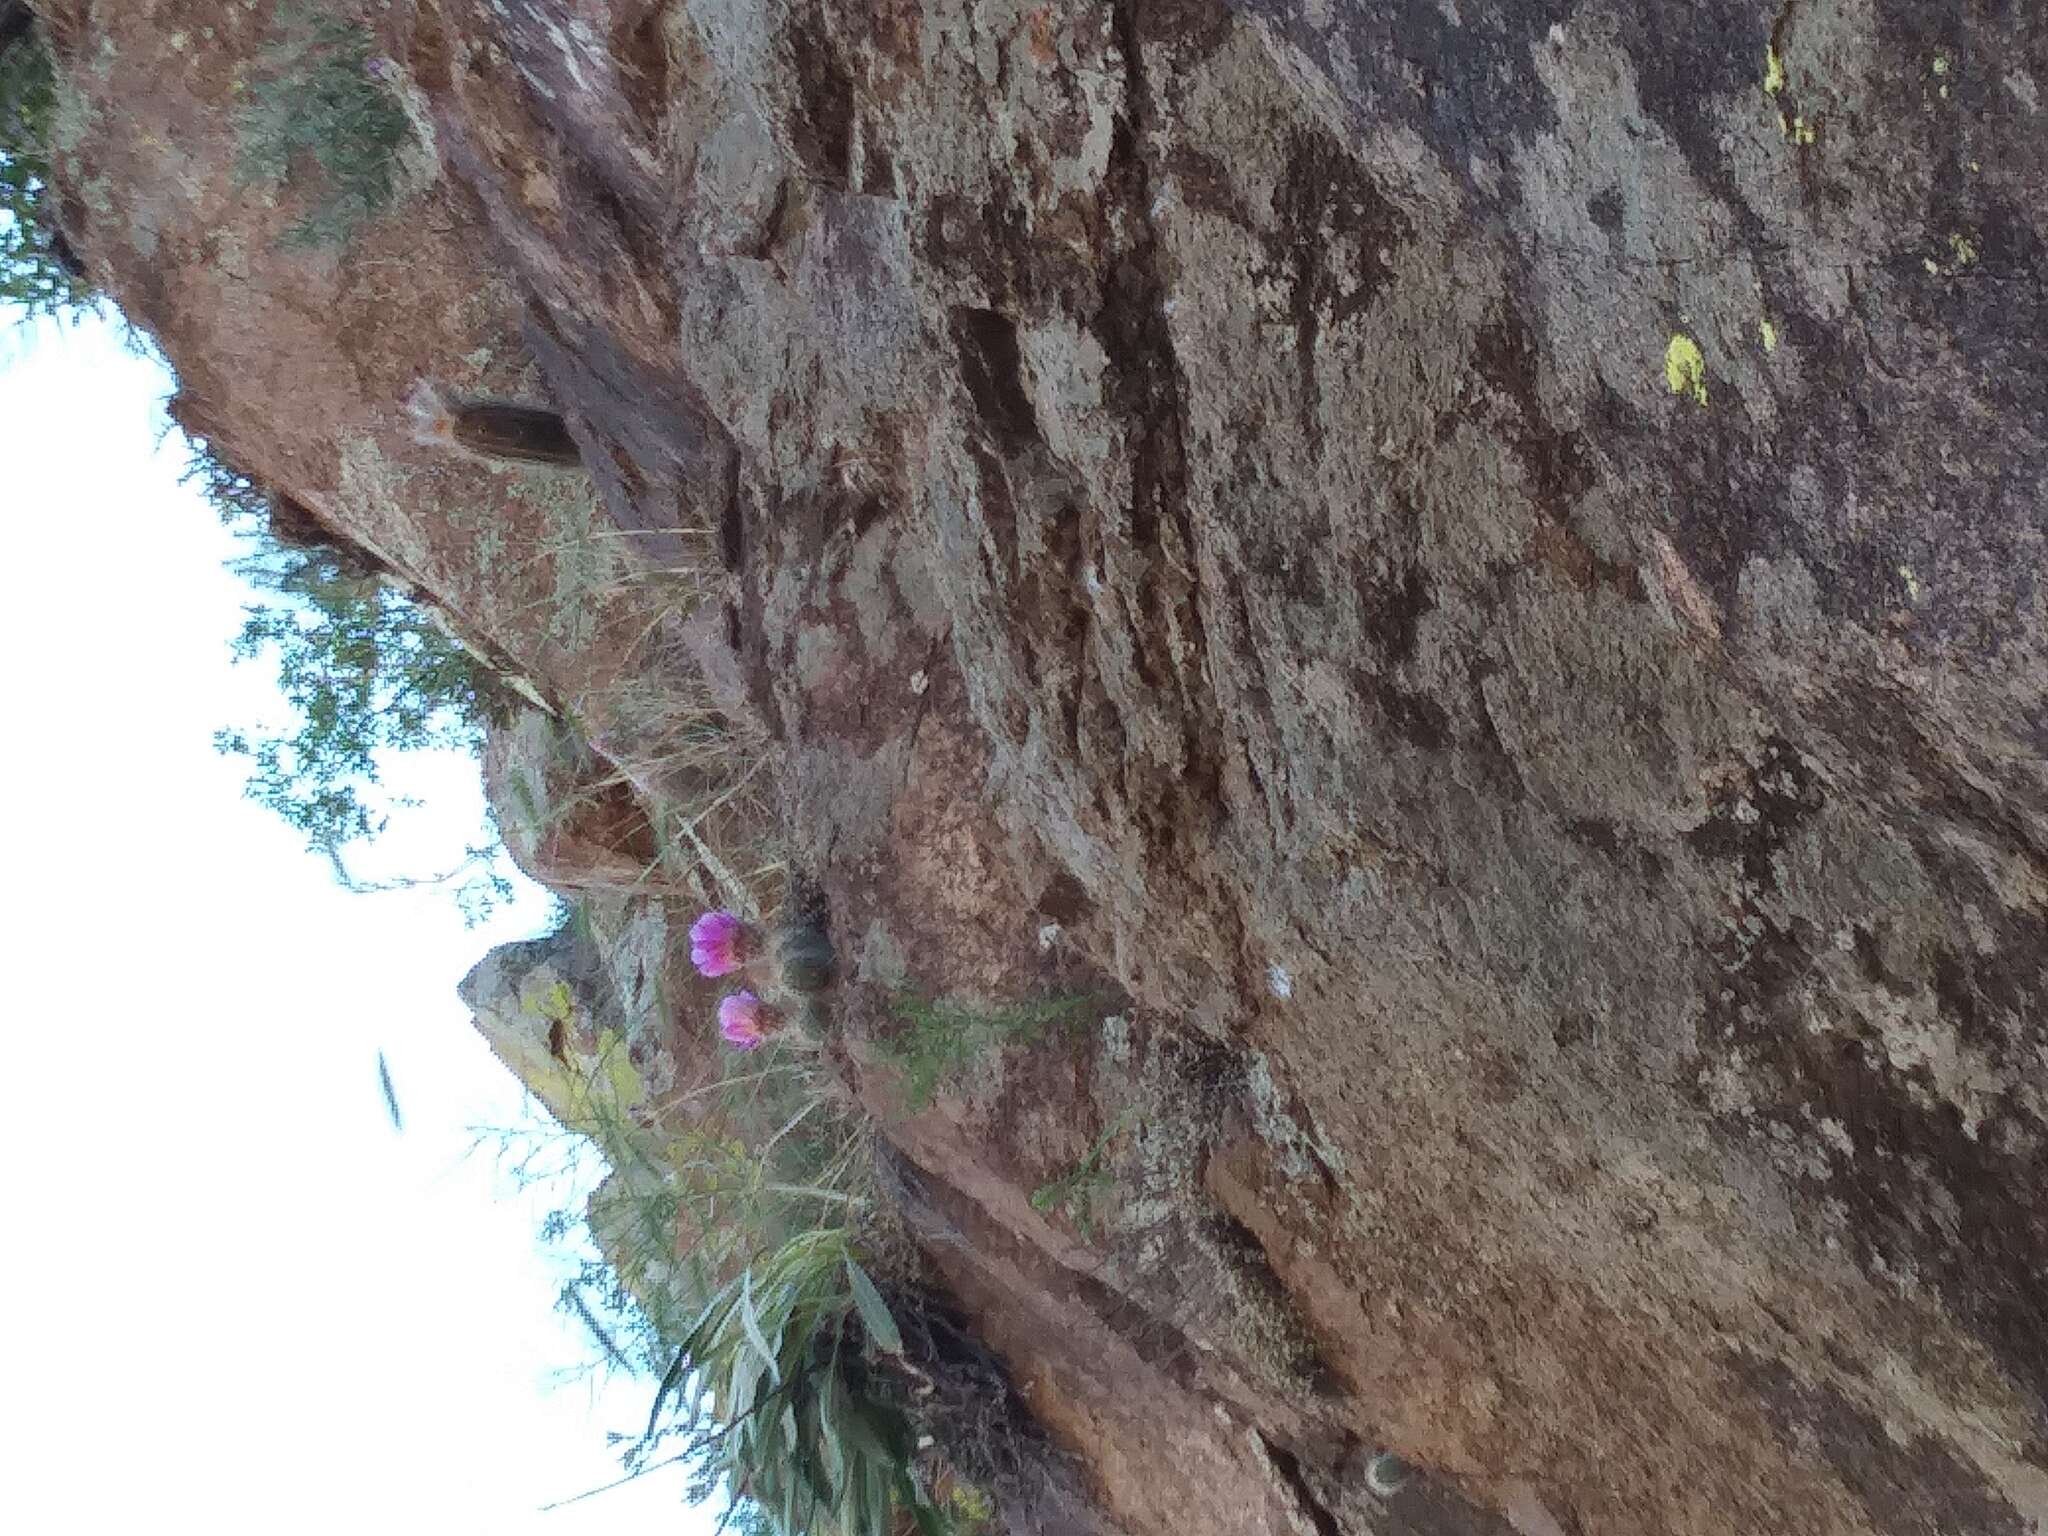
x=805 y=950
x=803 y=944
x=491 y=429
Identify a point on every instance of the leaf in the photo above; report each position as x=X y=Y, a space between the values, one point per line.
x=852 y=1497
x=893 y=1424
x=692 y=1348
x=670 y=1380
x=810 y=1451
x=751 y=1322
x=862 y=1433
x=745 y=1385
x=929 y=1521
x=878 y=1510
x=874 y=1312
x=794 y=1344
x=829 y=1450
x=702 y=1339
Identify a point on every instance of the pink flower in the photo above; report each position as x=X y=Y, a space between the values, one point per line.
x=718 y=943
x=745 y=1021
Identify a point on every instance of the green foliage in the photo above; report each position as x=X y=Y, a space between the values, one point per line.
x=724 y=1258
x=701 y=1187
x=318 y=94
x=939 y=1039
x=33 y=276
x=364 y=672
x=1076 y=1194
x=807 y=1419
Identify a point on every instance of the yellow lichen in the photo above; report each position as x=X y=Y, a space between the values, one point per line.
x=972 y=1505
x=1774 y=71
x=1769 y=333
x=1685 y=368
x=1962 y=251
x=628 y=1091
x=1798 y=130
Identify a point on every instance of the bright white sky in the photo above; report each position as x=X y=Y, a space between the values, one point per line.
x=232 y=1298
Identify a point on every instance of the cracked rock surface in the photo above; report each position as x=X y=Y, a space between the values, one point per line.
x=1475 y=566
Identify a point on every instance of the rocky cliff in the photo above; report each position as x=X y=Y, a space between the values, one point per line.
x=1467 y=573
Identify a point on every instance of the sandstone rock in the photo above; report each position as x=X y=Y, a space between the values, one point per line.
x=568 y=819
x=1479 y=567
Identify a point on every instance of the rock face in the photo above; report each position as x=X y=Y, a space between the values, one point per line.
x=1475 y=567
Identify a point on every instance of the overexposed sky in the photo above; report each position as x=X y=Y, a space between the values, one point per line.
x=232 y=1298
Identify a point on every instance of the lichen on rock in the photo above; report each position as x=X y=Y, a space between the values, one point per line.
x=1523 y=517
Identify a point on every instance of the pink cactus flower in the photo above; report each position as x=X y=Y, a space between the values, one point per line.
x=718 y=944
x=745 y=1021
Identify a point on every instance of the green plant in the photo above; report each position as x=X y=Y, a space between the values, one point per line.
x=729 y=1266
x=1076 y=1193
x=364 y=672
x=798 y=1359
x=37 y=274
x=319 y=93
x=938 y=1039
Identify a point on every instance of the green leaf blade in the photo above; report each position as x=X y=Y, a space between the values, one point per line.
x=874 y=1312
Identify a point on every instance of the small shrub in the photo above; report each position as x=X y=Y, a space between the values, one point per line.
x=35 y=274
x=318 y=94
x=939 y=1039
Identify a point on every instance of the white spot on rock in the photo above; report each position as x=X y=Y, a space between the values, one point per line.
x=1837 y=1136
x=1279 y=982
x=1116 y=1039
